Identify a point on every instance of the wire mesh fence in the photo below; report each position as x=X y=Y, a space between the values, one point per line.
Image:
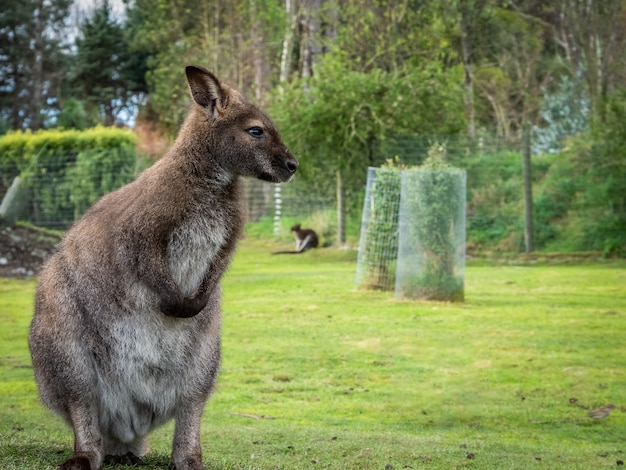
x=61 y=193
x=431 y=235
x=460 y=148
x=378 y=242
x=55 y=194
x=285 y=204
x=55 y=190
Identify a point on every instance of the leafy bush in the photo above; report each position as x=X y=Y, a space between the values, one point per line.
x=68 y=170
x=565 y=112
x=494 y=208
x=581 y=204
x=556 y=196
x=605 y=169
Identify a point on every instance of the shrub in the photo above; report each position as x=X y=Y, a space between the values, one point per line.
x=68 y=170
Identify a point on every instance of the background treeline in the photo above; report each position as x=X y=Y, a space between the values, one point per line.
x=350 y=82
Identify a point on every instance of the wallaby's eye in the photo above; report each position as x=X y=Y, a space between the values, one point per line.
x=255 y=131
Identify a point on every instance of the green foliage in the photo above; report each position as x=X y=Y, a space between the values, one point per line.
x=495 y=205
x=605 y=168
x=506 y=56
x=556 y=196
x=388 y=34
x=564 y=112
x=98 y=172
x=106 y=73
x=494 y=192
x=72 y=115
x=335 y=120
x=581 y=204
x=33 y=60
x=67 y=171
x=206 y=32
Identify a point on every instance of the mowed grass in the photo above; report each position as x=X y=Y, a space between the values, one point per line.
x=317 y=375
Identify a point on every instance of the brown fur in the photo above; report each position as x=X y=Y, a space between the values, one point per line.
x=126 y=332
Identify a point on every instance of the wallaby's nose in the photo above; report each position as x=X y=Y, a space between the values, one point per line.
x=291 y=164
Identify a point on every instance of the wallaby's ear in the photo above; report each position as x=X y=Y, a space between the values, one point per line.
x=206 y=89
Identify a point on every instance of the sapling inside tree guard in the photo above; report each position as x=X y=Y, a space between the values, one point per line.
x=431 y=252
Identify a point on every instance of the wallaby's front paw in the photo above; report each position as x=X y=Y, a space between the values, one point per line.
x=184 y=309
x=77 y=463
x=129 y=459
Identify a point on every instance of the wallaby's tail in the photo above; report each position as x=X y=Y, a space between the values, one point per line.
x=287 y=252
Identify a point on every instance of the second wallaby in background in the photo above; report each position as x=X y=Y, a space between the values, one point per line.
x=306 y=239
x=126 y=332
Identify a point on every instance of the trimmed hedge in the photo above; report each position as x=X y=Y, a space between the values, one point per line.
x=66 y=171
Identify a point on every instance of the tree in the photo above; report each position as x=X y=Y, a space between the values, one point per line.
x=106 y=73
x=564 y=112
x=509 y=75
x=32 y=59
x=464 y=19
x=592 y=35
x=605 y=171
x=337 y=123
x=387 y=34
x=72 y=115
x=239 y=41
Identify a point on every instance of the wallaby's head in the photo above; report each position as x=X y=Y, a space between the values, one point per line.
x=238 y=135
x=295 y=228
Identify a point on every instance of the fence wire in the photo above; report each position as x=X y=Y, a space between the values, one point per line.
x=431 y=239
x=494 y=175
x=57 y=194
x=378 y=243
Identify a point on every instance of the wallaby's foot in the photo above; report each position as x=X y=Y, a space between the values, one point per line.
x=129 y=459
x=77 y=463
x=190 y=463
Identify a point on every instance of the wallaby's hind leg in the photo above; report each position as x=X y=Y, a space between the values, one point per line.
x=64 y=371
x=88 y=448
x=186 y=451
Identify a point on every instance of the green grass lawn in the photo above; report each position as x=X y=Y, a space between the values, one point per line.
x=317 y=375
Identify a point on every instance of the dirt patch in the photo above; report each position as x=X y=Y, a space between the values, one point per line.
x=24 y=249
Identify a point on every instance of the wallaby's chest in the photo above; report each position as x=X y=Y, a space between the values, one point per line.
x=193 y=247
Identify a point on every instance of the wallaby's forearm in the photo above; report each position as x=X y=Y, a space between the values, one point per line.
x=174 y=303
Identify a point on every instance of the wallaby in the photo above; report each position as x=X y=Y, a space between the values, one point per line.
x=306 y=239
x=126 y=331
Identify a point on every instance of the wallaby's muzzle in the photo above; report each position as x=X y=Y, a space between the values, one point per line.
x=283 y=168
x=291 y=164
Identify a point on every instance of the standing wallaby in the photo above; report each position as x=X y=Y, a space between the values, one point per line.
x=126 y=332
x=306 y=239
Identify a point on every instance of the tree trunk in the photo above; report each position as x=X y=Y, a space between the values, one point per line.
x=529 y=238
x=468 y=84
x=37 y=80
x=258 y=60
x=466 y=54
x=311 y=48
x=285 y=57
